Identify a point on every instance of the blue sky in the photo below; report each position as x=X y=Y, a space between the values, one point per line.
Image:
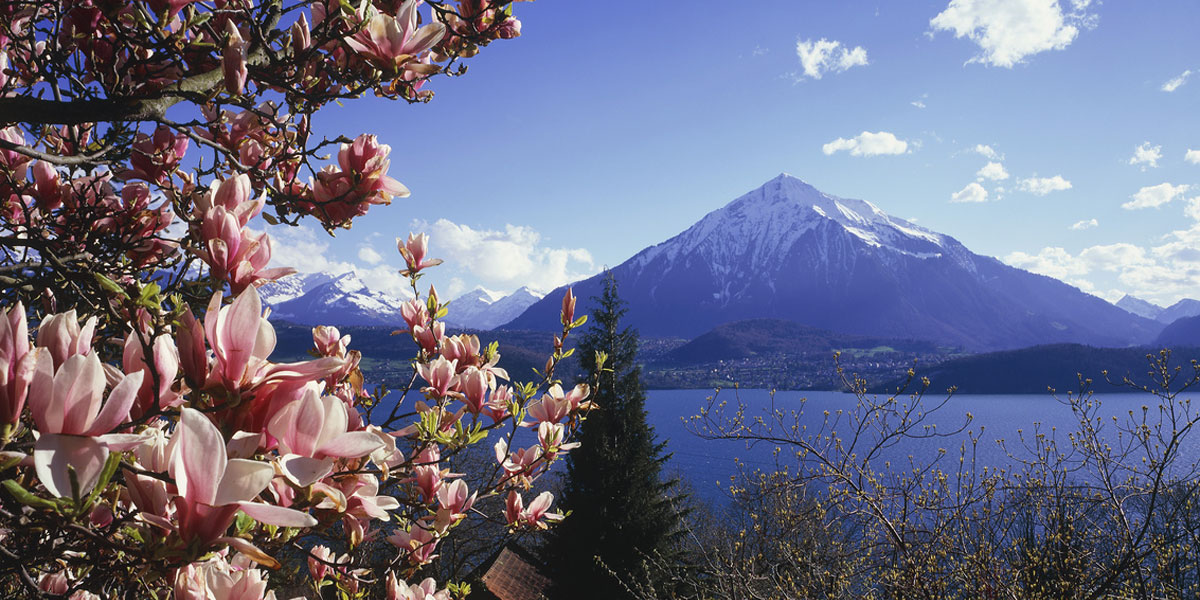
x=611 y=126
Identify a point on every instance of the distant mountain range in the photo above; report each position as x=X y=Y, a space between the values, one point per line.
x=344 y=300
x=485 y=309
x=1184 y=308
x=788 y=251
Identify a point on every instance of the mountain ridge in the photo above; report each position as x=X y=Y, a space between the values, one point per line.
x=788 y=251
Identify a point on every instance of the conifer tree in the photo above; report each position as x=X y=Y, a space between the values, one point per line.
x=623 y=510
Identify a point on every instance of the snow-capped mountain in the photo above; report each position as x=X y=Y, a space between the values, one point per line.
x=328 y=299
x=1139 y=307
x=292 y=286
x=484 y=309
x=788 y=251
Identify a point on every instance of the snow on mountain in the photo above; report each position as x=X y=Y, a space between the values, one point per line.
x=292 y=286
x=481 y=308
x=326 y=299
x=1139 y=307
x=788 y=251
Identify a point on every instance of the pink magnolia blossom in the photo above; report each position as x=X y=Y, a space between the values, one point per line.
x=391 y=42
x=165 y=364
x=49 y=186
x=242 y=339
x=213 y=487
x=415 y=313
x=473 y=385
x=430 y=338
x=17 y=362
x=311 y=432
x=453 y=503
x=217 y=579
x=534 y=516
x=398 y=589
x=11 y=158
x=61 y=335
x=233 y=60
x=366 y=161
x=329 y=341
x=155 y=157
x=417 y=542
x=439 y=373
x=413 y=250
x=66 y=407
x=497 y=406
x=568 y=307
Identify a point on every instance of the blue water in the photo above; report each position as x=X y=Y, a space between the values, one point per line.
x=708 y=464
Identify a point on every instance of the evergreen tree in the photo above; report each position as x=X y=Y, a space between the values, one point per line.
x=622 y=510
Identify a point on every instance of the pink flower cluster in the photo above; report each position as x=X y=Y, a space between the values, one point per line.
x=204 y=427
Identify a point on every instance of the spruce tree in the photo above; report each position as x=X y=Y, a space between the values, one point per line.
x=623 y=512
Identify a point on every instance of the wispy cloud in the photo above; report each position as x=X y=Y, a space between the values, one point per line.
x=1174 y=83
x=823 y=56
x=1086 y=224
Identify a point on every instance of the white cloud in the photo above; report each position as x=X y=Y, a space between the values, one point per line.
x=1052 y=262
x=993 y=171
x=823 y=56
x=369 y=255
x=1085 y=224
x=1161 y=273
x=1173 y=83
x=1155 y=196
x=917 y=103
x=1008 y=31
x=868 y=144
x=506 y=258
x=1192 y=156
x=986 y=151
x=971 y=194
x=1193 y=208
x=1146 y=155
x=305 y=250
x=1040 y=186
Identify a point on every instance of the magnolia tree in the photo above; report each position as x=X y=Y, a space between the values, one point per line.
x=149 y=447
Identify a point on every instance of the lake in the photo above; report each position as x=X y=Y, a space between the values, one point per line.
x=706 y=464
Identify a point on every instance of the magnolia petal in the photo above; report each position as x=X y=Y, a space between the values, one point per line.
x=304 y=471
x=307 y=370
x=53 y=454
x=277 y=515
x=250 y=550
x=41 y=394
x=243 y=480
x=120 y=442
x=198 y=464
x=243 y=444
x=352 y=445
x=309 y=423
x=116 y=410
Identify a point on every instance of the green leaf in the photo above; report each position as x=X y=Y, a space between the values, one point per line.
x=579 y=322
x=110 y=285
x=27 y=498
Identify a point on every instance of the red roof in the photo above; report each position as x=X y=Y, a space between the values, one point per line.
x=511 y=577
